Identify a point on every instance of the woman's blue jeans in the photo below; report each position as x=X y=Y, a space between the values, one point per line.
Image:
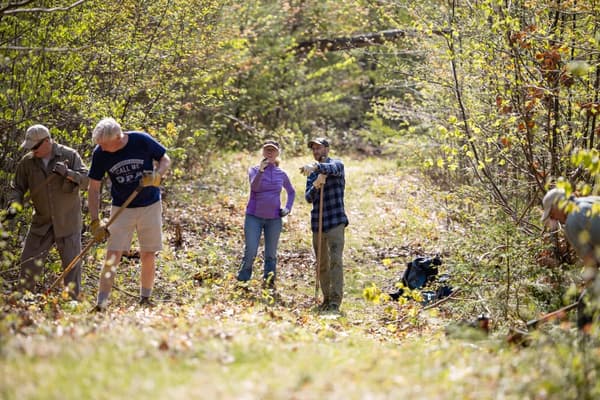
x=253 y=228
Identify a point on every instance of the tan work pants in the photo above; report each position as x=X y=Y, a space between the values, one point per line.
x=35 y=252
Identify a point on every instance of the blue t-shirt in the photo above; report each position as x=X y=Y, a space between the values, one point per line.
x=125 y=168
x=582 y=227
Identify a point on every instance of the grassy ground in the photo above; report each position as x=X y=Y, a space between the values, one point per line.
x=208 y=339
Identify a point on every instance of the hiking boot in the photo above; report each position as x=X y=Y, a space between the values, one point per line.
x=333 y=308
x=146 y=302
x=323 y=306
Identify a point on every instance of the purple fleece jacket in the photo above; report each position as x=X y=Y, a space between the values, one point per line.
x=265 y=191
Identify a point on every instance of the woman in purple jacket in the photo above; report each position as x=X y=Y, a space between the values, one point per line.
x=264 y=212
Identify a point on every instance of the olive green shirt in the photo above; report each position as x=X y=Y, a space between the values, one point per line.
x=56 y=199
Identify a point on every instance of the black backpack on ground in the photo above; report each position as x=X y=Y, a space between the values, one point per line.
x=419 y=272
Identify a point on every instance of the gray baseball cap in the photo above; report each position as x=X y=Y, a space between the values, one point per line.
x=552 y=198
x=34 y=135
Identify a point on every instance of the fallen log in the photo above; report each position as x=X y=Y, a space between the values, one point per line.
x=357 y=41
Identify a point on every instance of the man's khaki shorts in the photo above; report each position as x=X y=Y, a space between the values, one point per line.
x=146 y=221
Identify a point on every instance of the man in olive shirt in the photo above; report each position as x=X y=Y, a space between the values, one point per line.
x=53 y=174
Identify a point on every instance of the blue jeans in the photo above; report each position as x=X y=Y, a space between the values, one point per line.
x=253 y=227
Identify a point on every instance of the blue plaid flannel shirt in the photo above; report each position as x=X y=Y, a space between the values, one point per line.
x=333 y=195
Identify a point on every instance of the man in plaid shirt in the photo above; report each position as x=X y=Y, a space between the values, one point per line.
x=330 y=173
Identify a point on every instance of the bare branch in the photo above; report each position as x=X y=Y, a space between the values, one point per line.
x=42 y=10
x=243 y=124
x=13 y=5
x=42 y=49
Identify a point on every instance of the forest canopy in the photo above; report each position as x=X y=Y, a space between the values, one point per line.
x=506 y=92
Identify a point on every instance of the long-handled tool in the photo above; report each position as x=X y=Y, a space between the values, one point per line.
x=112 y=219
x=554 y=314
x=319 y=245
x=557 y=313
x=523 y=338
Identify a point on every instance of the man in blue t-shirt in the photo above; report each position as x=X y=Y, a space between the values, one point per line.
x=580 y=217
x=581 y=220
x=131 y=160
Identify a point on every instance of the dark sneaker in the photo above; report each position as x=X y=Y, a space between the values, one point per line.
x=242 y=286
x=269 y=281
x=323 y=306
x=146 y=302
x=268 y=285
x=98 y=309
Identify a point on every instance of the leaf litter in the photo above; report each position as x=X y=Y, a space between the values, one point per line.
x=203 y=314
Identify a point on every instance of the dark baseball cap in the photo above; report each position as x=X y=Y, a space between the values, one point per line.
x=320 y=140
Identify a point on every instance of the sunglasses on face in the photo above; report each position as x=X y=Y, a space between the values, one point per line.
x=37 y=146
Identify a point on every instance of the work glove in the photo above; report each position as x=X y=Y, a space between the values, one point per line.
x=263 y=164
x=552 y=225
x=61 y=169
x=283 y=212
x=150 y=178
x=99 y=231
x=309 y=168
x=320 y=181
